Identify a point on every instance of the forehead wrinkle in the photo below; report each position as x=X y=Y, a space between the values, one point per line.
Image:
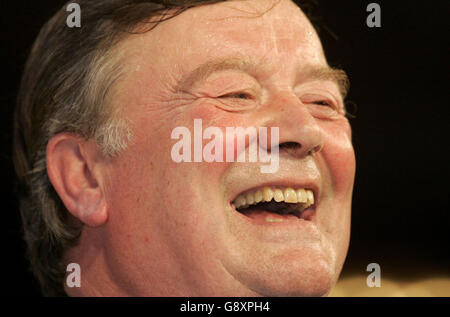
x=252 y=13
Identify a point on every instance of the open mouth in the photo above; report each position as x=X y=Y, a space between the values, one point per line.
x=276 y=204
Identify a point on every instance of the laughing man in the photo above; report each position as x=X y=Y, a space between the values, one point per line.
x=96 y=110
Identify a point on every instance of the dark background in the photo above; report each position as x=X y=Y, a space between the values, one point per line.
x=399 y=77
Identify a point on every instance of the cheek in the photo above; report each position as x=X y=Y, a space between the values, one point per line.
x=214 y=117
x=339 y=158
x=211 y=115
x=339 y=162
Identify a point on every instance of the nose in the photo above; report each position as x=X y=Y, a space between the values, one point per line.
x=300 y=134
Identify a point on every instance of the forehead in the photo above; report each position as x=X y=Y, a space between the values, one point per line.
x=264 y=26
x=275 y=17
x=273 y=33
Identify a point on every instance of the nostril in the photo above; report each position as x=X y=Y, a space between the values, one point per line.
x=292 y=148
x=296 y=149
x=290 y=145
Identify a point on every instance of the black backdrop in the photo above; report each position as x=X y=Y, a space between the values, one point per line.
x=399 y=76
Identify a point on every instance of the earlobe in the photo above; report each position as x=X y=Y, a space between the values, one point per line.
x=73 y=170
x=91 y=208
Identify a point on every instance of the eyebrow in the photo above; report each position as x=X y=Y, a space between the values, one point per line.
x=203 y=71
x=248 y=65
x=336 y=75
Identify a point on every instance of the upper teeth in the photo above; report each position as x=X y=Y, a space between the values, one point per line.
x=266 y=194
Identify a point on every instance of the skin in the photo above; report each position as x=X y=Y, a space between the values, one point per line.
x=154 y=227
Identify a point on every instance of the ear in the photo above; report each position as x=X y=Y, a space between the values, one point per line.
x=74 y=169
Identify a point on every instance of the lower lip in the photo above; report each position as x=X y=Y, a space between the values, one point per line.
x=290 y=231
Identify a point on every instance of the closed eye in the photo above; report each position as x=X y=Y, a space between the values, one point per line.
x=237 y=95
x=323 y=103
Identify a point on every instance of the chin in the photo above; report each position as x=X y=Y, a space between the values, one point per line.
x=310 y=277
x=308 y=284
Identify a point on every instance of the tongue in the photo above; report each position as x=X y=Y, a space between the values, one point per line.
x=264 y=216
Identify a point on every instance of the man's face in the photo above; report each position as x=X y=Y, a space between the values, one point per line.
x=172 y=227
